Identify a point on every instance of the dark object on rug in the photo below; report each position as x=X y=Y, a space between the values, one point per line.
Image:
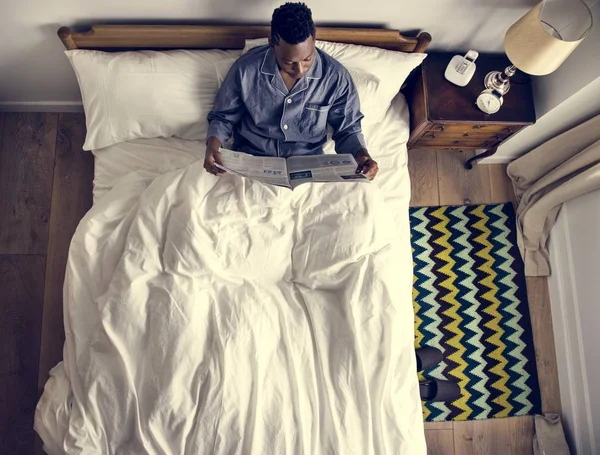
x=428 y=357
x=471 y=303
x=438 y=390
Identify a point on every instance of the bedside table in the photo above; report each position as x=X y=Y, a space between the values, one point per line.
x=444 y=116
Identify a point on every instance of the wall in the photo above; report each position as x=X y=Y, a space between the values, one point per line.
x=575 y=302
x=33 y=69
x=564 y=98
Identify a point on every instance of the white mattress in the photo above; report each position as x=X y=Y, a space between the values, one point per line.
x=221 y=316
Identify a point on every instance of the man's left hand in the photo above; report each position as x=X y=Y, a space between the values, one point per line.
x=366 y=165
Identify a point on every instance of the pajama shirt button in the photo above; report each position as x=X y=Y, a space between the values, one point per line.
x=289 y=100
x=285 y=127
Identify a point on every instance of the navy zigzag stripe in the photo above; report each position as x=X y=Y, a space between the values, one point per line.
x=507 y=330
x=523 y=308
x=485 y=316
x=447 y=349
x=421 y=278
x=423 y=213
x=464 y=306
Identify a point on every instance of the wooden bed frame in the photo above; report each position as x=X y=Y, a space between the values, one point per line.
x=137 y=37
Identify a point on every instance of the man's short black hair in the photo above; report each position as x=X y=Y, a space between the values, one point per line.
x=292 y=22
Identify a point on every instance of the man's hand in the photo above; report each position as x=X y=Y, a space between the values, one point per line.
x=366 y=164
x=212 y=156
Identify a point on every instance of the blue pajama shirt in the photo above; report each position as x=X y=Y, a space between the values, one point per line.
x=266 y=119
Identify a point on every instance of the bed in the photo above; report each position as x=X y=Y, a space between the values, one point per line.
x=207 y=315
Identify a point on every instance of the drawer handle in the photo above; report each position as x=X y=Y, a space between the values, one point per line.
x=441 y=128
x=431 y=136
x=465 y=135
x=477 y=127
x=456 y=142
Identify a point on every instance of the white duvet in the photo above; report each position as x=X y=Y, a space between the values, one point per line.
x=224 y=316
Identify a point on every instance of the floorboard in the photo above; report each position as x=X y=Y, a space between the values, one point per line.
x=22 y=291
x=26 y=162
x=440 y=442
x=513 y=435
x=543 y=341
x=422 y=167
x=71 y=199
x=438 y=425
x=461 y=186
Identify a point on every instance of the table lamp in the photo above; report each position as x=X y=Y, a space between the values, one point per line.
x=542 y=39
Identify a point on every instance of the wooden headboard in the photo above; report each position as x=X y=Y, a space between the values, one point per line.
x=137 y=37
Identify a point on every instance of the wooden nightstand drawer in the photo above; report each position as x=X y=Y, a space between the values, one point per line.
x=430 y=140
x=463 y=136
x=469 y=130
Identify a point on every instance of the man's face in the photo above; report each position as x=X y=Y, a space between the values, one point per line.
x=295 y=59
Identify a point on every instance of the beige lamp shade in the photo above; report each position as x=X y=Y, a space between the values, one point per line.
x=535 y=46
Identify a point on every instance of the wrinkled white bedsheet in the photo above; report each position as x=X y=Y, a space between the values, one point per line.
x=224 y=316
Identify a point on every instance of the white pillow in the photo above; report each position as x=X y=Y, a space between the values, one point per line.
x=147 y=94
x=391 y=68
x=367 y=86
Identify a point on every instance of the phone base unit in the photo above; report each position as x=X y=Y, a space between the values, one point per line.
x=460 y=70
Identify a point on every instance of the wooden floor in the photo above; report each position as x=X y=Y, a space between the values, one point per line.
x=46 y=187
x=439 y=178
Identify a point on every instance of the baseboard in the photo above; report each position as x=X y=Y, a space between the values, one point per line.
x=498 y=160
x=41 y=106
x=570 y=358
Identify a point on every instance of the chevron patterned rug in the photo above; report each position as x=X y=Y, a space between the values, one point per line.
x=470 y=302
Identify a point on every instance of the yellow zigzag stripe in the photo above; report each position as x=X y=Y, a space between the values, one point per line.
x=458 y=355
x=417 y=307
x=418 y=322
x=426 y=411
x=492 y=310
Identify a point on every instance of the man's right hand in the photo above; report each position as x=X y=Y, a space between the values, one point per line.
x=212 y=156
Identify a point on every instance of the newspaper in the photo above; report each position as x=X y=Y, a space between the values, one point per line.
x=293 y=171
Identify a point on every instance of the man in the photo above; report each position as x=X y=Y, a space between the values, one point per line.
x=278 y=99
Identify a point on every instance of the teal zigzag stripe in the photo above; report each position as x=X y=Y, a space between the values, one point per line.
x=480 y=393
x=514 y=330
